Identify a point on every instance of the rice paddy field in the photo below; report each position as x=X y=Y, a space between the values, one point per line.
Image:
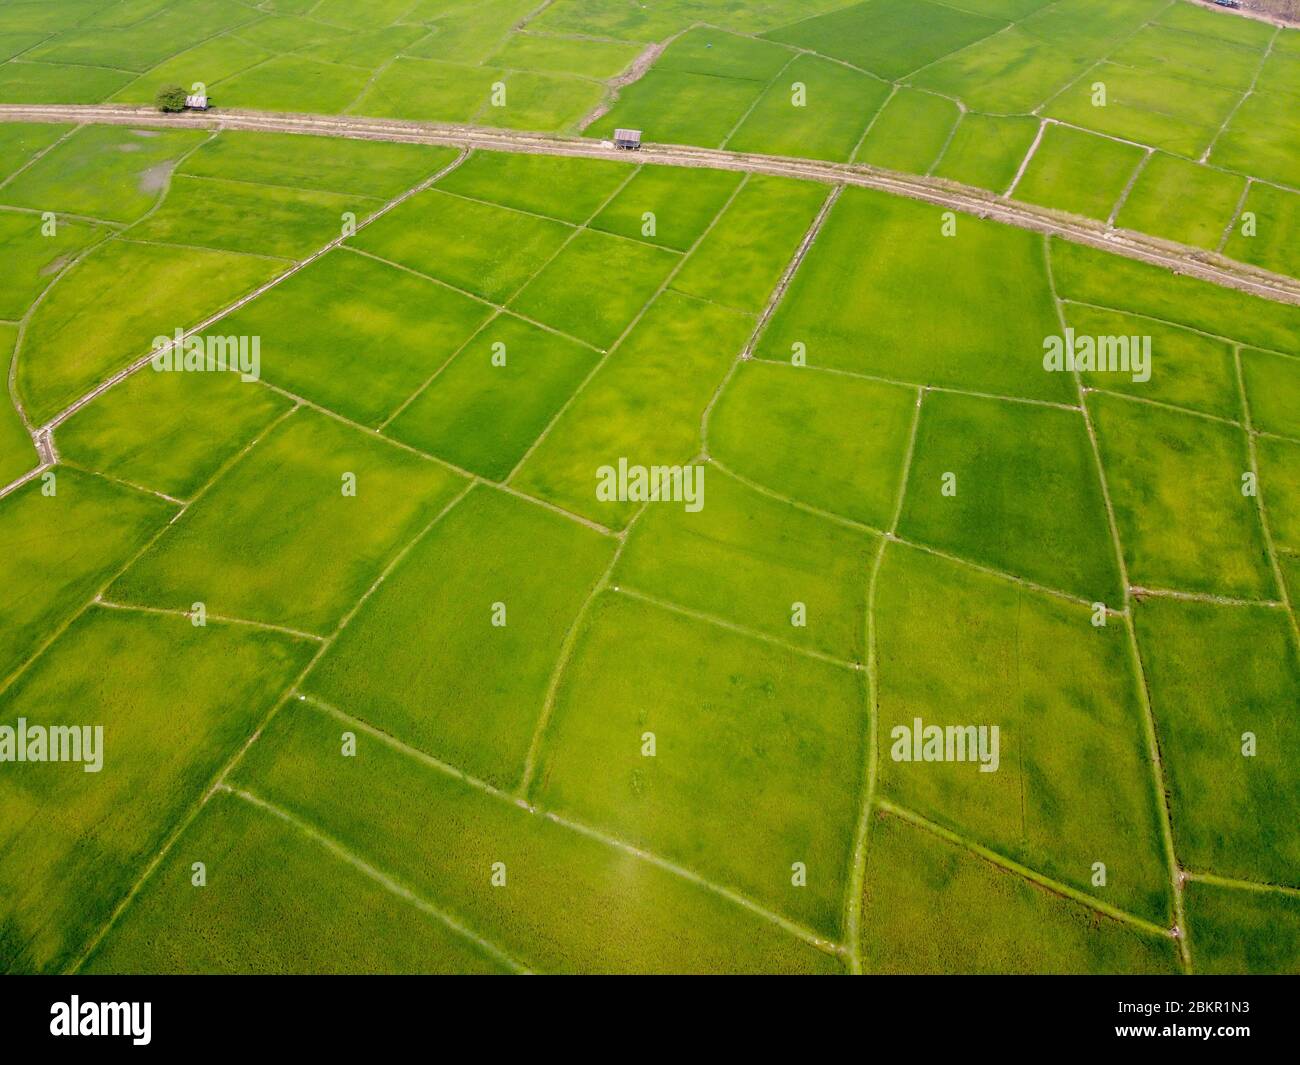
x=391 y=680
x=1152 y=116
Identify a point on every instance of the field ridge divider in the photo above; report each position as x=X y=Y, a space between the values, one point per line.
x=248 y=297
x=631 y=326
x=385 y=880
x=733 y=896
x=1159 y=786
x=1010 y=865
x=740 y=630
x=1266 y=527
x=858 y=866
x=275 y=704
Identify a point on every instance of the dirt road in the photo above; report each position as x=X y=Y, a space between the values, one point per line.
x=1180 y=258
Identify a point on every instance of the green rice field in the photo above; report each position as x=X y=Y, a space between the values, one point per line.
x=503 y=561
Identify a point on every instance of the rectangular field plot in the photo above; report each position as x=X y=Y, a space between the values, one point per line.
x=1234 y=930
x=626 y=272
x=50 y=83
x=1279 y=475
x=968 y=311
x=816 y=109
x=1273 y=390
x=426 y=89
x=740 y=261
x=986 y=150
x=1187 y=369
x=169 y=432
x=1073 y=783
x=1205 y=57
x=643 y=405
x=1224 y=681
x=237 y=216
x=106 y=311
x=208 y=63
x=1176 y=485
x=277 y=539
x=1162 y=110
x=678 y=107
x=921 y=890
x=21 y=141
x=889 y=37
x=984 y=466
x=669 y=206
x=1091 y=276
x=1261 y=138
x=1078 y=172
x=110 y=172
x=910 y=132
x=1275 y=243
x=707 y=50
x=758 y=753
x=276 y=901
x=589 y=58
x=756 y=562
x=782 y=427
x=321 y=164
x=494 y=399
x=484 y=249
x=1182 y=201
x=355 y=335
x=17 y=448
x=571 y=902
x=1007 y=73
x=33 y=256
x=292 y=83
x=58 y=550
x=454 y=652
x=570 y=190
x=542 y=102
x=74 y=842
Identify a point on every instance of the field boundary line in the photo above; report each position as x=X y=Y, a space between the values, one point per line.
x=1265 y=525
x=1175 y=407
x=1112 y=46
x=1249 y=92
x=939 y=552
x=1010 y=865
x=82 y=219
x=774 y=299
x=138 y=608
x=42 y=438
x=733 y=896
x=1024 y=163
x=499 y=308
x=1138 y=170
x=1243 y=885
x=385 y=880
x=858 y=867
x=1067 y=300
x=740 y=630
x=19 y=670
x=912 y=385
x=1138 y=591
x=71 y=464
x=545 y=712
x=1236 y=214
x=631 y=326
x=1160 y=788
x=274 y=707
x=758 y=99
x=49 y=147
x=248 y=297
